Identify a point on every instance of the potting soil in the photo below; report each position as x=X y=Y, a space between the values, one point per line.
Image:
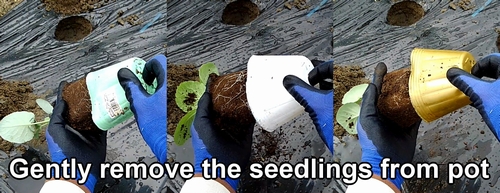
x=31 y=52
x=459 y=137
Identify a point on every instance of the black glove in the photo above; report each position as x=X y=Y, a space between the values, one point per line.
x=209 y=142
x=381 y=138
x=65 y=142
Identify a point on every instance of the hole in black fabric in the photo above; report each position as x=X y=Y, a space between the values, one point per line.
x=73 y=29
x=405 y=13
x=240 y=12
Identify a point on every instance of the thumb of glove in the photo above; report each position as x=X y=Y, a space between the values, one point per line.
x=132 y=86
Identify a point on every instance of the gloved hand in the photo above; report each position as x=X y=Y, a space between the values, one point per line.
x=318 y=103
x=381 y=138
x=482 y=93
x=65 y=142
x=150 y=111
x=209 y=142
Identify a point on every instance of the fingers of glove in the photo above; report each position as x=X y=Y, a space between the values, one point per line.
x=465 y=82
x=488 y=66
x=131 y=84
x=290 y=81
x=57 y=120
x=156 y=68
x=321 y=72
x=378 y=76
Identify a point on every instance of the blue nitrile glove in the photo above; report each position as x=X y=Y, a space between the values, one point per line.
x=482 y=93
x=65 y=142
x=381 y=138
x=209 y=142
x=150 y=111
x=318 y=103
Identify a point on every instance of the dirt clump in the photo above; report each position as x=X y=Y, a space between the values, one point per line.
x=7 y=5
x=18 y=96
x=405 y=13
x=176 y=74
x=232 y=113
x=299 y=4
x=79 y=113
x=240 y=12
x=463 y=4
x=130 y=19
x=344 y=78
x=394 y=101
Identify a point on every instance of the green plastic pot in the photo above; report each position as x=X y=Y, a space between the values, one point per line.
x=109 y=103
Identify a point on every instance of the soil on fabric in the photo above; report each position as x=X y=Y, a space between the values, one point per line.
x=7 y=5
x=70 y=7
x=394 y=101
x=230 y=104
x=498 y=42
x=176 y=74
x=79 y=112
x=405 y=13
x=344 y=78
x=18 y=96
x=240 y=12
x=73 y=29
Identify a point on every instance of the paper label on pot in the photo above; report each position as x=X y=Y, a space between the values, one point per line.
x=112 y=106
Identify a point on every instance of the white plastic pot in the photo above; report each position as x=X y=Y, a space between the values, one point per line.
x=270 y=103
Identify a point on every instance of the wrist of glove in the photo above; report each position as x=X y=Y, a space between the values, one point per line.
x=150 y=110
x=65 y=143
x=371 y=155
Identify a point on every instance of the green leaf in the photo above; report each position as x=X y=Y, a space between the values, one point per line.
x=205 y=71
x=17 y=127
x=354 y=94
x=183 y=131
x=187 y=90
x=45 y=105
x=347 y=117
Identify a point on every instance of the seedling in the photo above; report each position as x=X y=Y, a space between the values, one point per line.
x=186 y=97
x=20 y=127
x=348 y=113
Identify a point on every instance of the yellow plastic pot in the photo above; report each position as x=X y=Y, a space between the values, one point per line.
x=431 y=94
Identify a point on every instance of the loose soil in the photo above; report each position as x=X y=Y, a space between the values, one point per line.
x=394 y=101
x=19 y=96
x=73 y=29
x=7 y=5
x=299 y=4
x=176 y=74
x=344 y=78
x=405 y=13
x=79 y=114
x=240 y=12
x=70 y=7
x=463 y=4
x=232 y=113
x=498 y=42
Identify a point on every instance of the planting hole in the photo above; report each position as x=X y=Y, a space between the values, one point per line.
x=240 y=12
x=73 y=29
x=405 y=13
